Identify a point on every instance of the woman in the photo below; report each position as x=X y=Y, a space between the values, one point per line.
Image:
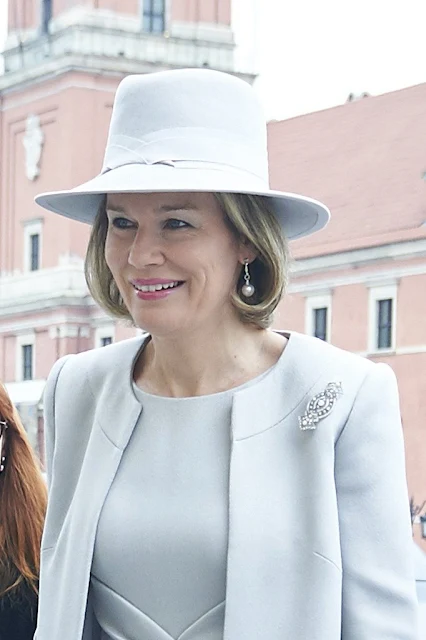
x=213 y=479
x=22 y=509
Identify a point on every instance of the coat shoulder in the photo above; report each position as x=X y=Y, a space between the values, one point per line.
x=319 y=363
x=90 y=369
x=317 y=353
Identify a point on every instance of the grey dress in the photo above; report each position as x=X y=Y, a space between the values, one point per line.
x=159 y=565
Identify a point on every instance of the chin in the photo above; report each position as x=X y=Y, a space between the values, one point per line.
x=159 y=327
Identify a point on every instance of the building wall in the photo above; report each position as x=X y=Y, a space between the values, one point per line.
x=22 y=14
x=74 y=116
x=208 y=11
x=26 y=14
x=411 y=329
x=132 y=7
x=9 y=357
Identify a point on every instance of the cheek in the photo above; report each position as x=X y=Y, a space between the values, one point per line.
x=114 y=257
x=108 y=255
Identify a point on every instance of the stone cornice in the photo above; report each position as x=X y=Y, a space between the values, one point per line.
x=107 y=50
x=359 y=257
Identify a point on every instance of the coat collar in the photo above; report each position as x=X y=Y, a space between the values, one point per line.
x=304 y=360
x=283 y=390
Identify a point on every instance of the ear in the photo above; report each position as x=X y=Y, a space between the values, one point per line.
x=247 y=252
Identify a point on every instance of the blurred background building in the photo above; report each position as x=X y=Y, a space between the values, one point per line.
x=360 y=284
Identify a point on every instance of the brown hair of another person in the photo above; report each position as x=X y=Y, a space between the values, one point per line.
x=23 y=497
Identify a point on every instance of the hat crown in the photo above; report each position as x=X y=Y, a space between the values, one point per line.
x=187 y=115
x=187 y=130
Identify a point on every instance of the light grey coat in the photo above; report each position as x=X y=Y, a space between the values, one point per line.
x=319 y=528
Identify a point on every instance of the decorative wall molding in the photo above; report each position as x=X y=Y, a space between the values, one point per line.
x=101 y=18
x=359 y=257
x=68 y=330
x=28 y=391
x=51 y=322
x=202 y=31
x=413 y=350
x=368 y=278
x=409 y=351
x=36 y=290
x=18 y=100
x=110 y=50
x=33 y=141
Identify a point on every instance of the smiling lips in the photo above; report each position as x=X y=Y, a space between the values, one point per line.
x=154 y=289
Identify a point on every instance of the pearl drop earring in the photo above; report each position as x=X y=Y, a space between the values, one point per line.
x=247 y=289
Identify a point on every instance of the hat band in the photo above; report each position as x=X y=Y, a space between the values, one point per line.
x=176 y=147
x=255 y=181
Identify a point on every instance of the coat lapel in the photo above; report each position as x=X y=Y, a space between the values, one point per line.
x=71 y=557
x=263 y=540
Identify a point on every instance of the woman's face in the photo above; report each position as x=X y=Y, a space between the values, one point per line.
x=174 y=260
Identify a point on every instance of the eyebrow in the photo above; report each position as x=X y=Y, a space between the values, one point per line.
x=186 y=206
x=114 y=209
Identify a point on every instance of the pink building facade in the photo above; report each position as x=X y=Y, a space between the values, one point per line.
x=63 y=61
x=361 y=283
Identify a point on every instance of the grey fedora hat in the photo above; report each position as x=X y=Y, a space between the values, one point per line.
x=187 y=130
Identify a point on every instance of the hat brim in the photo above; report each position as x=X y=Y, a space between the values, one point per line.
x=298 y=215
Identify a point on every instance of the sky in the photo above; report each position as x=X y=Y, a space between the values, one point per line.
x=311 y=54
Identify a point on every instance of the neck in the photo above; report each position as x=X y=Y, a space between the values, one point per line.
x=204 y=363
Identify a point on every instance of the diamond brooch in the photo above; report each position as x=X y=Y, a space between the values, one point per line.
x=320 y=406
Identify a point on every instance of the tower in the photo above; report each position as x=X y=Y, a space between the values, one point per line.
x=63 y=61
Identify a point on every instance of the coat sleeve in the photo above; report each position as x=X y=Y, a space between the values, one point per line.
x=91 y=629
x=49 y=415
x=379 y=599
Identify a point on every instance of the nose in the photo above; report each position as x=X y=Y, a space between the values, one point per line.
x=146 y=250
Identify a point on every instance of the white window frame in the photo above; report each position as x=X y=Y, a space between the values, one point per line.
x=377 y=293
x=32 y=228
x=317 y=302
x=105 y=331
x=22 y=341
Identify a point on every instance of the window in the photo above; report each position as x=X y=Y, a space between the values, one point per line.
x=27 y=362
x=32 y=244
x=382 y=318
x=318 y=316
x=34 y=252
x=25 y=357
x=104 y=335
x=320 y=323
x=154 y=16
x=46 y=15
x=384 y=323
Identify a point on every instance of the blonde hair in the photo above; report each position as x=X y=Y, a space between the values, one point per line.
x=252 y=219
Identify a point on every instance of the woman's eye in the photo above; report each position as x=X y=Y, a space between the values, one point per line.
x=174 y=223
x=121 y=223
